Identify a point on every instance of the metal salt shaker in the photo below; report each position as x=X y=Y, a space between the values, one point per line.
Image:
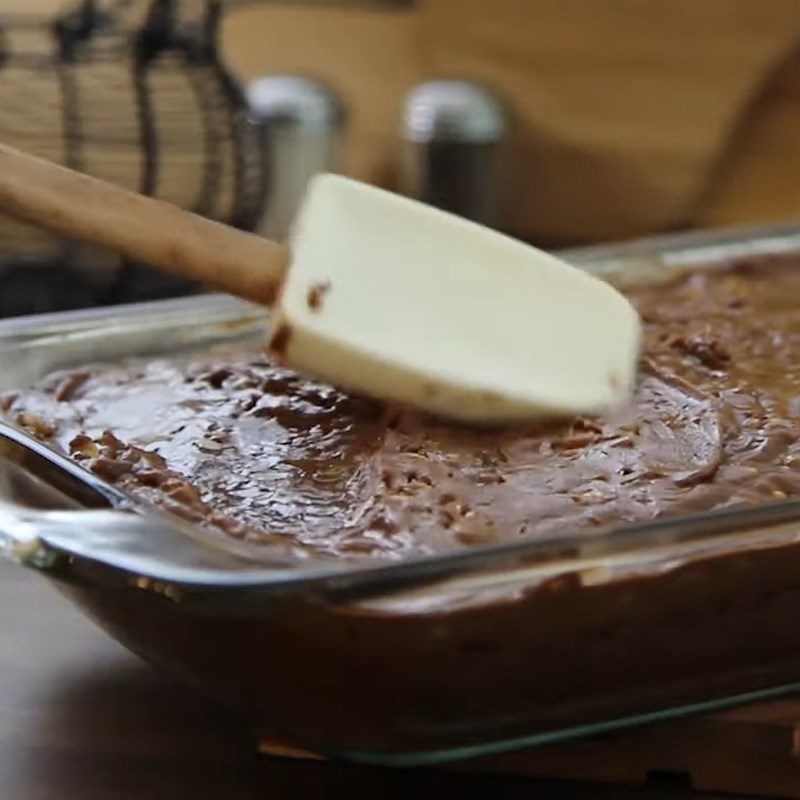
x=301 y=121
x=454 y=133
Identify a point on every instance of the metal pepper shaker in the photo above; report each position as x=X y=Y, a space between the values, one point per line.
x=300 y=121
x=454 y=132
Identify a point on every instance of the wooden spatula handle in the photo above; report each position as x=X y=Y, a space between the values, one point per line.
x=158 y=233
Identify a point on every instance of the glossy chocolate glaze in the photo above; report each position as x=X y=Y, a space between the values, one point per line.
x=234 y=441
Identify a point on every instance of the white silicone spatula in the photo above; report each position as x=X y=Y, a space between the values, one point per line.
x=377 y=293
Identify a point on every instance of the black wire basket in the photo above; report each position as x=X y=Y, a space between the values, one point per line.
x=131 y=91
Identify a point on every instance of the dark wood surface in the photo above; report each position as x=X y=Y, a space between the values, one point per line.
x=82 y=718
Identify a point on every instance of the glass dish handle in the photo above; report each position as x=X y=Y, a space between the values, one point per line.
x=37 y=538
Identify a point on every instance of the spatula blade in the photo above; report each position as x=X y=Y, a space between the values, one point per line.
x=392 y=298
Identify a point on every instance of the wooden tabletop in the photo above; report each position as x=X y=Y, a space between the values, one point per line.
x=82 y=718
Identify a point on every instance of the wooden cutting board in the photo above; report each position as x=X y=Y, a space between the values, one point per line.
x=630 y=117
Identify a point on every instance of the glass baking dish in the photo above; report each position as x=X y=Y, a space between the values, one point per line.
x=430 y=659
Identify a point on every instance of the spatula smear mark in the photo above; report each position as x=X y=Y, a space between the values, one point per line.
x=392 y=298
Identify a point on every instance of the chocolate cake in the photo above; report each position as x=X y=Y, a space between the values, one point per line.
x=231 y=441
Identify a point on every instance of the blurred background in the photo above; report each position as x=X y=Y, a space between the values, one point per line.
x=559 y=121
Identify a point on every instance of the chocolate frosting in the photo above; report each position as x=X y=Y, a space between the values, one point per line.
x=234 y=441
